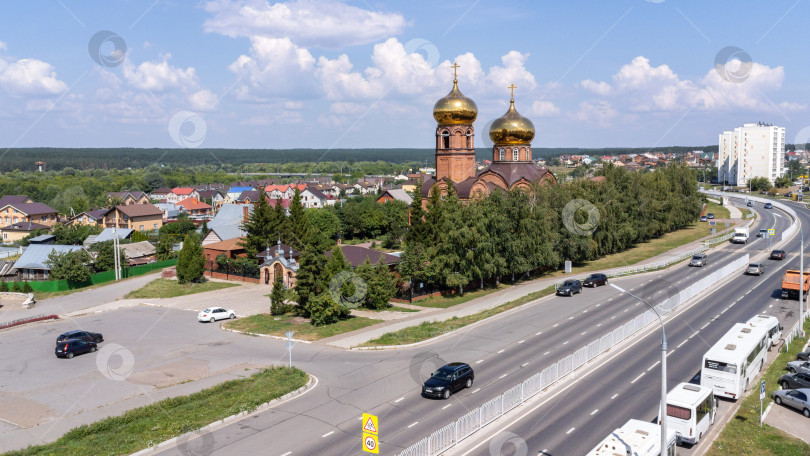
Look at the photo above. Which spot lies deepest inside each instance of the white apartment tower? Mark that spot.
(753, 150)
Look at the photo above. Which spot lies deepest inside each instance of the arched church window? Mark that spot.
(469, 139)
(515, 154)
(445, 139)
(503, 154)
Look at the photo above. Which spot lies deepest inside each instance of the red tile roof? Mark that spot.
(182, 190)
(193, 204)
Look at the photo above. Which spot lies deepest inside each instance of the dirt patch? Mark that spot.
(24, 412)
(172, 374)
(299, 320)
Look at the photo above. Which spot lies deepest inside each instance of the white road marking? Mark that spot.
(290, 452)
(585, 311)
(626, 310)
(398, 400)
(330, 433)
(723, 311)
(600, 324)
(598, 305)
(707, 324)
(565, 342)
(594, 412)
(524, 364)
(749, 291)
(669, 352)
(501, 351)
(613, 317)
(502, 376)
(537, 334)
(653, 366)
(479, 361)
(770, 306)
(448, 405)
(521, 341)
(614, 396)
(717, 316)
(413, 424)
(583, 333)
(571, 317)
(546, 353)
(476, 390)
(555, 325)
(694, 334)
(681, 344)
(570, 430)
(636, 379)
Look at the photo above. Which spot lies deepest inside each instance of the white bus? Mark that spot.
(771, 323)
(635, 438)
(730, 365)
(690, 411)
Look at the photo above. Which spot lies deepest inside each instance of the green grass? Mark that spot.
(143, 427)
(719, 211)
(391, 309)
(166, 288)
(743, 436)
(429, 330)
(277, 326)
(444, 302)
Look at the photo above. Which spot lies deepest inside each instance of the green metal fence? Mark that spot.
(100, 277)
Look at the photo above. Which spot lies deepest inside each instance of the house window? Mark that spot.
(141, 228)
(469, 139)
(503, 154)
(515, 154)
(445, 139)
(155, 226)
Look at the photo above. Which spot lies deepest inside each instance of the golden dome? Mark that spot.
(455, 108)
(511, 128)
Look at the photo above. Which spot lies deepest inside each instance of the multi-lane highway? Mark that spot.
(504, 351)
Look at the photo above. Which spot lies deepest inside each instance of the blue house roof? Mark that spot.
(35, 256)
(239, 190)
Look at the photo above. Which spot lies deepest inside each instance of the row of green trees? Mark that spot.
(77, 266)
(16, 287)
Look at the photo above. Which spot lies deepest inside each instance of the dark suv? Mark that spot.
(448, 379)
(86, 336)
(594, 280)
(570, 288)
(68, 348)
(793, 381)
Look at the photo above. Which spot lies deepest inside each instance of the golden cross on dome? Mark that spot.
(512, 88)
(455, 66)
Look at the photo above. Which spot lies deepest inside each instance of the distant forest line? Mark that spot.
(57, 159)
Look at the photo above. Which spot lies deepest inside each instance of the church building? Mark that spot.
(511, 134)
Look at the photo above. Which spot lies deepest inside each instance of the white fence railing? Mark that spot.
(784, 207)
(470, 423)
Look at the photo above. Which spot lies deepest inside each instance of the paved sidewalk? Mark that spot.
(789, 419)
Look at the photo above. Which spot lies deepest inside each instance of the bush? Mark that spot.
(26, 288)
(15, 287)
(323, 310)
(277, 306)
(3, 286)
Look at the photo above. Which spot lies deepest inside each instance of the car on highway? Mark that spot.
(215, 313)
(570, 288)
(796, 398)
(754, 269)
(793, 381)
(594, 280)
(71, 347)
(778, 255)
(710, 215)
(762, 233)
(768, 206)
(703, 218)
(699, 260)
(86, 336)
(448, 379)
(750, 204)
(798, 366)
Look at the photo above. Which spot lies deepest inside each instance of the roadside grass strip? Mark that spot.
(278, 325)
(743, 436)
(429, 330)
(143, 427)
(166, 288)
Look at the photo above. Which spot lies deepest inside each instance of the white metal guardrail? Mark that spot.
(470, 423)
(784, 207)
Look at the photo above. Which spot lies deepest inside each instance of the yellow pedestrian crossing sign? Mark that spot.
(771, 231)
(371, 429)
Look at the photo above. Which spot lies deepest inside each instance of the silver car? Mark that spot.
(798, 366)
(796, 398)
(755, 269)
(699, 260)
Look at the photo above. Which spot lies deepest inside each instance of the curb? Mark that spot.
(263, 335)
(28, 320)
(230, 419)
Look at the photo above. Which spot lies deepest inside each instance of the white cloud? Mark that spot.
(203, 100)
(159, 76)
(599, 88)
(29, 77)
(275, 67)
(544, 109)
(328, 24)
(599, 112)
(513, 71)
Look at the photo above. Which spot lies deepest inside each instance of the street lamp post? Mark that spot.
(801, 282)
(663, 412)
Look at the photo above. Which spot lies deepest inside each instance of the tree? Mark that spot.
(323, 310)
(191, 262)
(760, 183)
(26, 287)
(203, 229)
(15, 287)
(72, 266)
(381, 286)
(310, 280)
(259, 227)
(105, 259)
(180, 227)
(782, 182)
(73, 234)
(323, 222)
(297, 221)
(282, 228)
(138, 236)
(277, 296)
(3, 286)
(164, 250)
(335, 264)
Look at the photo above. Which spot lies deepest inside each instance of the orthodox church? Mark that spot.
(511, 134)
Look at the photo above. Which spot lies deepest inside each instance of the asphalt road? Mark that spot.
(504, 351)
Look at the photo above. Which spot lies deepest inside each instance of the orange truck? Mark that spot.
(790, 283)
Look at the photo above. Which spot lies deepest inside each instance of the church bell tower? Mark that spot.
(455, 134)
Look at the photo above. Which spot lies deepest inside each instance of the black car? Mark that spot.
(448, 379)
(750, 204)
(768, 206)
(594, 280)
(86, 336)
(778, 255)
(570, 288)
(804, 356)
(793, 381)
(70, 347)
(710, 215)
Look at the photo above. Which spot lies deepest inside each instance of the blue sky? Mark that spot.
(266, 74)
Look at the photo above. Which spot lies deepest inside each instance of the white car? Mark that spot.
(215, 313)
(798, 367)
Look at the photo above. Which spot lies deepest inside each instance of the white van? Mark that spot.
(690, 411)
(637, 438)
(772, 323)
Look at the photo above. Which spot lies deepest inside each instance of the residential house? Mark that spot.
(17, 231)
(138, 253)
(285, 191)
(44, 239)
(229, 247)
(365, 188)
(32, 264)
(248, 197)
(141, 217)
(311, 198)
(196, 208)
(234, 192)
(19, 208)
(395, 194)
(160, 194)
(347, 189)
(170, 211)
(93, 217)
(227, 224)
(213, 197)
(411, 185)
(127, 197)
(181, 193)
(108, 234)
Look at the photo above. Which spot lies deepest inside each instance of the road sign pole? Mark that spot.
(761, 397)
(290, 344)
